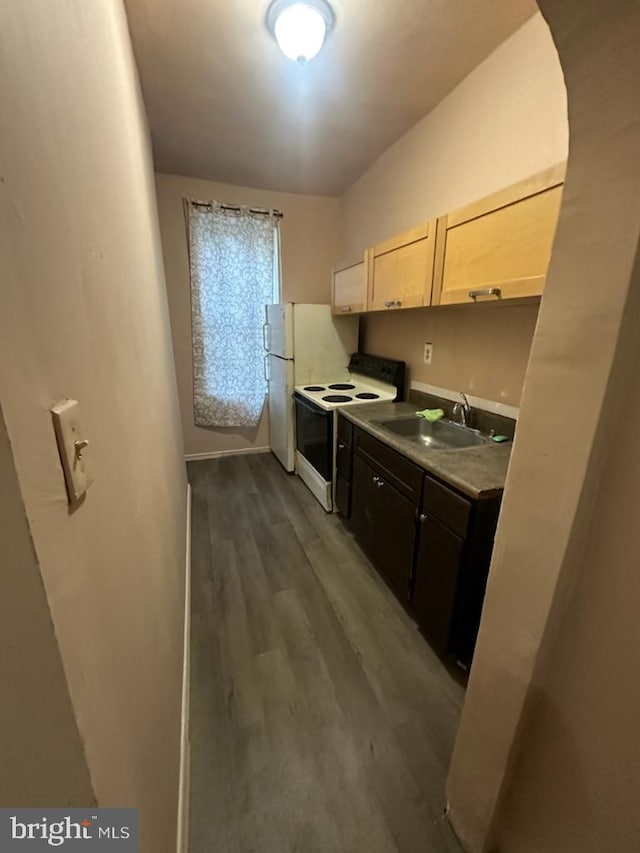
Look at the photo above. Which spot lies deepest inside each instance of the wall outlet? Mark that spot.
(428, 353)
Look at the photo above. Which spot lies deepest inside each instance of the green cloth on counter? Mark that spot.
(431, 415)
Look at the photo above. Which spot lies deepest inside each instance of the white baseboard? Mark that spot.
(216, 454)
(475, 402)
(182, 845)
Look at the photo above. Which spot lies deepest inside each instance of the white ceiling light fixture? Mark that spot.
(300, 28)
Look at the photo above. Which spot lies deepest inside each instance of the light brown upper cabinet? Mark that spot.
(401, 270)
(350, 287)
(499, 247)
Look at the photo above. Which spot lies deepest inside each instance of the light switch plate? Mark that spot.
(428, 353)
(73, 446)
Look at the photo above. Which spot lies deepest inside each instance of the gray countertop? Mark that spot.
(479, 472)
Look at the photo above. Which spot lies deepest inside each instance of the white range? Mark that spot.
(356, 389)
(370, 380)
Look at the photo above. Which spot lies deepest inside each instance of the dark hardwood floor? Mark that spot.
(321, 721)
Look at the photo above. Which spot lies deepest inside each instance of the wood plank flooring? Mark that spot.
(321, 721)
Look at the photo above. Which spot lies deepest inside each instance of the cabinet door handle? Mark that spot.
(346, 309)
(267, 378)
(393, 303)
(340, 446)
(265, 336)
(378, 481)
(485, 291)
(422, 518)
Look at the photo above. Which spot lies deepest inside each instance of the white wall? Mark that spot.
(43, 761)
(577, 779)
(83, 313)
(504, 122)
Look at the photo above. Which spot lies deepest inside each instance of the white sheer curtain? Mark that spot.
(234, 274)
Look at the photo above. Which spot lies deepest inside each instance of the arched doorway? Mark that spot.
(544, 759)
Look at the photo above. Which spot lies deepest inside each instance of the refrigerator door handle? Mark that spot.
(266, 370)
(265, 336)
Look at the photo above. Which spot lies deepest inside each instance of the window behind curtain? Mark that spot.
(233, 256)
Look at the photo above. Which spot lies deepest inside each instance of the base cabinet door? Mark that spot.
(383, 522)
(343, 496)
(344, 466)
(434, 593)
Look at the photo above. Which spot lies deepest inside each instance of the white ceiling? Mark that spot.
(225, 104)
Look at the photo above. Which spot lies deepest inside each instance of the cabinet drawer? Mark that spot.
(345, 431)
(446, 505)
(398, 470)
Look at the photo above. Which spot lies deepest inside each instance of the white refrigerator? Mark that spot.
(305, 344)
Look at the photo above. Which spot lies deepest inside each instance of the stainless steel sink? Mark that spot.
(441, 435)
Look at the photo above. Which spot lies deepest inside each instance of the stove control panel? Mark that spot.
(384, 369)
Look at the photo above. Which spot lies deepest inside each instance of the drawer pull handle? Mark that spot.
(485, 291)
(346, 309)
(393, 303)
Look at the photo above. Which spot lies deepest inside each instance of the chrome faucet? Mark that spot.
(463, 410)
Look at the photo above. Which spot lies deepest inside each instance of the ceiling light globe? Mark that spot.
(300, 31)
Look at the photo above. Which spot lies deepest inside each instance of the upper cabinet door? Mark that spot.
(499, 247)
(350, 287)
(401, 270)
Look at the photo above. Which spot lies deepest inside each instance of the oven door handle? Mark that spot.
(308, 404)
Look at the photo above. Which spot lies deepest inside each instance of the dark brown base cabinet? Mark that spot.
(384, 524)
(438, 561)
(344, 466)
(431, 544)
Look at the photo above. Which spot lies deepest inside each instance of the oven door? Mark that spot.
(314, 436)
